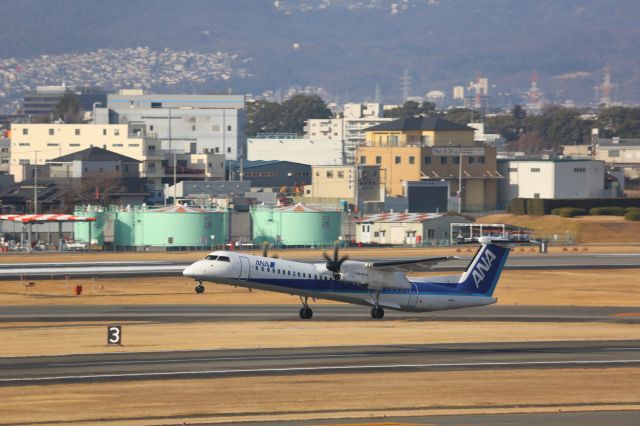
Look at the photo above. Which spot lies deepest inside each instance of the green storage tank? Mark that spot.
(124, 228)
(176, 226)
(90, 232)
(296, 225)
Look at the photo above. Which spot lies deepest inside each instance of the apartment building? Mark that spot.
(348, 127)
(345, 182)
(33, 144)
(190, 124)
(620, 152)
(431, 148)
(287, 147)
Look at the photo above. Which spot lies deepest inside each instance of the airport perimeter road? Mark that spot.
(324, 312)
(154, 268)
(309, 361)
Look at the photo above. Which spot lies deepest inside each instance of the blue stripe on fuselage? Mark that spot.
(324, 286)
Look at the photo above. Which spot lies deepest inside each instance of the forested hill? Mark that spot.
(349, 46)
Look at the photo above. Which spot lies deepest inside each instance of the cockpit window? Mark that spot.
(211, 257)
(223, 259)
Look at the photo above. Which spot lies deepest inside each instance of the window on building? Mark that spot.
(426, 139)
(580, 170)
(611, 152)
(152, 148)
(156, 104)
(472, 160)
(329, 174)
(25, 131)
(117, 145)
(77, 131)
(228, 128)
(340, 174)
(151, 127)
(363, 159)
(51, 132)
(117, 168)
(104, 132)
(229, 149)
(24, 144)
(52, 144)
(134, 145)
(456, 160)
(116, 132)
(535, 170)
(398, 159)
(126, 167)
(193, 128)
(536, 195)
(318, 174)
(443, 160)
(378, 159)
(427, 160)
(513, 169)
(393, 138)
(215, 127)
(24, 162)
(217, 149)
(412, 159)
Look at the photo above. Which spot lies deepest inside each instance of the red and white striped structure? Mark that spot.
(41, 218)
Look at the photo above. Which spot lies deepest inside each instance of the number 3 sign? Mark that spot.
(114, 335)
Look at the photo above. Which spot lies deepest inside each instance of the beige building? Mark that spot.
(341, 182)
(423, 148)
(37, 143)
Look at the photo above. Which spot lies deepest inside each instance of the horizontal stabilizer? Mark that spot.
(415, 265)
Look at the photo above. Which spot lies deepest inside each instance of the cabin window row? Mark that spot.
(285, 272)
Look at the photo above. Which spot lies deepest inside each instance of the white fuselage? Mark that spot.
(315, 281)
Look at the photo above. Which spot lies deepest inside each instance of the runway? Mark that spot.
(322, 312)
(310, 361)
(158, 268)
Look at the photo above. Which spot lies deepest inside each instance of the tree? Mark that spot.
(68, 109)
(299, 108)
(562, 126)
(411, 109)
(623, 122)
(458, 115)
(530, 143)
(263, 117)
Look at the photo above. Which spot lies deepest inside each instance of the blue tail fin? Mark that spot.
(484, 270)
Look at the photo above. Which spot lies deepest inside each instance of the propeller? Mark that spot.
(265, 250)
(334, 264)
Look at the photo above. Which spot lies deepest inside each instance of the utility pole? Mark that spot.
(35, 185)
(460, 182)
(175, 186)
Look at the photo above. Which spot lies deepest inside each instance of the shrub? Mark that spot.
(607, 211)
(633, 209)
(568, 212)
(632, 215)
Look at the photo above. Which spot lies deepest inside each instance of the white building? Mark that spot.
(620, 152)
(406, 228)
(190, 124)
(347, 128)
(314, 152)
(554, 178)
(493, 139)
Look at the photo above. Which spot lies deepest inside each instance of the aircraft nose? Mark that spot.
(190, 271)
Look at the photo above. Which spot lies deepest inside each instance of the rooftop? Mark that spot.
(619, 142)
(400, 217)
(419, 123)
(93, 154)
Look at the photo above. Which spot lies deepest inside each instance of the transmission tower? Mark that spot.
(405, 84)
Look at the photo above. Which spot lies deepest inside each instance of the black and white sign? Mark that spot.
(114, 335)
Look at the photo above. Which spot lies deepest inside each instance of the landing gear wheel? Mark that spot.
(199, 288)
(306, 313)
(377, 312)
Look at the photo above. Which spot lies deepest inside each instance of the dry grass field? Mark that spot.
(225, 400)
(587, 229)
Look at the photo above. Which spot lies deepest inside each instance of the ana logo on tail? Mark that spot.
(483, 266)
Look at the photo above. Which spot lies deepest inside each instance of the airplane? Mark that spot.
(380, 285)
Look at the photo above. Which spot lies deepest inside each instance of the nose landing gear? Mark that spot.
(305, 311)
(199, 287)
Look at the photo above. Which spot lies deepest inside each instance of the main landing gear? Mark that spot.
(376, 312)
(305, 311)
(199, 287)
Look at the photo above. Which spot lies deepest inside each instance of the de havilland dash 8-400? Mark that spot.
(378, 285)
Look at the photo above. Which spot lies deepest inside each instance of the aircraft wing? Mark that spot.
(414, 265)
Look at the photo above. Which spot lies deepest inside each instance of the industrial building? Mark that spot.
(314, 151)
(272, 175)
(553, 178)
(406, 228)
(347, 127)
(430, 148)
(38, 143)
(296, 225)
(168, 228)
(346, 182)
(189, 124)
